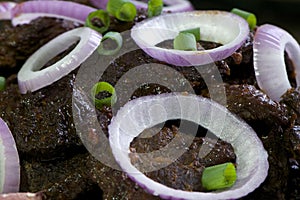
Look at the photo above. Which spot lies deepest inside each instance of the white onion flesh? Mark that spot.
(130, 121)
(9, 161)
(269, 45)
(25, 12)
(172, 5)
(31, 78)
(215, 26)
(21, 196)
(5, 9)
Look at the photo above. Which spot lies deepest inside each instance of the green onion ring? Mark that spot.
(185, 41)
(103, 87)
(155, 7)
(194, 31)
(122, 9)
(219, 176)
(127, 12)
(103, 16)
(249, 17)
(114, 36)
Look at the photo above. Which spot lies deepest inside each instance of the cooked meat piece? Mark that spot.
(42, 121)
(18, 43)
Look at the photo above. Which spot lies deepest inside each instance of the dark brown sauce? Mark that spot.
(168, 44)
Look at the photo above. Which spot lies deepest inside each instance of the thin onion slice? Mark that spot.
(216, 26)
(31, 78)
(21, 196)
(171, 5)
(27, 11)
(145, 112)
(269, 45)
(9, 161)
(101, 4)
(5, 9)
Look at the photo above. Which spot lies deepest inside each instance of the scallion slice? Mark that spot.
(113, 36)
(2, 83)
(122, 9)
(249, 17)
(185, 41)
(98, 20)
(219, 176)
(155, 7)
(113, 6)
(103, 94)
(194, 31)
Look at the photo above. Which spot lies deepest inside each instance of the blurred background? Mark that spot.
(283, 13)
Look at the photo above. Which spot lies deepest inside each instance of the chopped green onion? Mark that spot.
(113, 6)
(98, 20)
(185, 41)
(127, 12)
(103, 93)
(113, 36)
(219, 176)
(194, 31)
(2, 83)
(250, 17)
(122, 9)
(155, 7)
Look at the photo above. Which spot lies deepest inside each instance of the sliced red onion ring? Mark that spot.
(29, 10)
(31, 78)
(5, 9)
(21, 196)
(101, 4)
(9, 161)
(143, 113)
(269, 45)
(217, 26)
(172, 5)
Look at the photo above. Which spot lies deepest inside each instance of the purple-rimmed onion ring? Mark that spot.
(216, 26)
(270, 43)
(9, 161)
(146, 112)
(5, 9)
(21, 196)
(31, 78)
(171, 5)
(27, 11)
